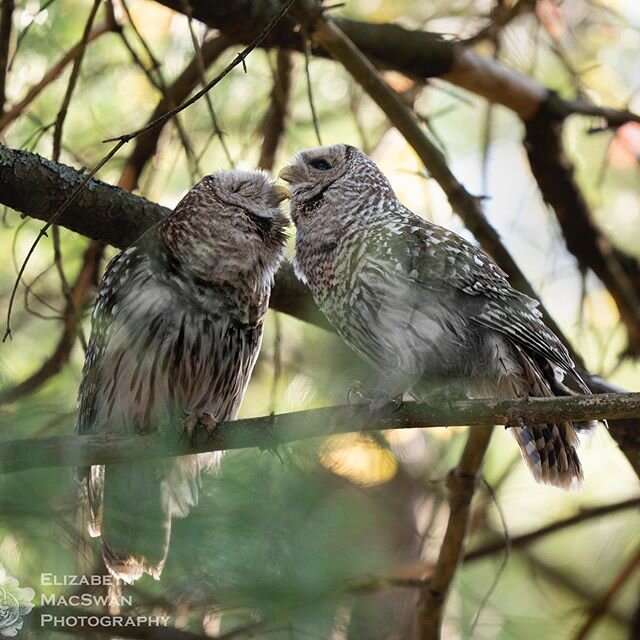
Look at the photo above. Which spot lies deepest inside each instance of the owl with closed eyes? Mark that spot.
(176, 331)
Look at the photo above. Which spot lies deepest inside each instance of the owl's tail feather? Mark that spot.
(135, 524)
(131, 505)
(550, 450)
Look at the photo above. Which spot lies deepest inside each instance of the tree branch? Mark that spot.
(527, 538)
(461, 483)
(417, 54)
(6, 18)
(52, 74)
(270, 431)
(554, 173)
(603, 602)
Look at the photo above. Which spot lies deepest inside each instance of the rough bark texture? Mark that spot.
(36, 187)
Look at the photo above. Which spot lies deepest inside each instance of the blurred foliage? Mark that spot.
(278, 535)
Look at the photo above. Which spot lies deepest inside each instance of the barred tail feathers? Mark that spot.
(549, 450)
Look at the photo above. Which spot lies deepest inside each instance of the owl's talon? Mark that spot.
(398, 402)
(209, 423)
(191, 423)
(357, 392)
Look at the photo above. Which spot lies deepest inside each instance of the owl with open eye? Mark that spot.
(176, 331)
(423, 305)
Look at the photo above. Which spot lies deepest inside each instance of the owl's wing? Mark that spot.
(101, 329)
(437, 259)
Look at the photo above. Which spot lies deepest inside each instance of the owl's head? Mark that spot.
(252, 193)
(329, 174)
(230, 221)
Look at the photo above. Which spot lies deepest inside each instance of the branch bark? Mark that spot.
(554, 173)
(270, 431)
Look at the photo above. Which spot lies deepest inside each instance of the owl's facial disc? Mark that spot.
(313, 171)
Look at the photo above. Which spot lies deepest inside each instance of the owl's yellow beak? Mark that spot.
(282, 193)
(288, 174)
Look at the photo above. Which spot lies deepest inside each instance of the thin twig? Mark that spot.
(73, 78)
(600, 606)
(503, 562)
(72, 310)
(50, 76)
(79, 296)
(186, 5)
(526, 539)
(307, 73)
(6, 18)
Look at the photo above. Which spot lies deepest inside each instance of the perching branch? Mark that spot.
(270, 431)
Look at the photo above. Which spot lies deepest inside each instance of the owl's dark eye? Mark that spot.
(320, 164)
(239, 186)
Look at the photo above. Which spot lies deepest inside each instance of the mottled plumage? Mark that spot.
(176, 332)
(424, 306)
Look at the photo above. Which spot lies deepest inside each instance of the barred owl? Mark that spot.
(421, 304)
(176, 331)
